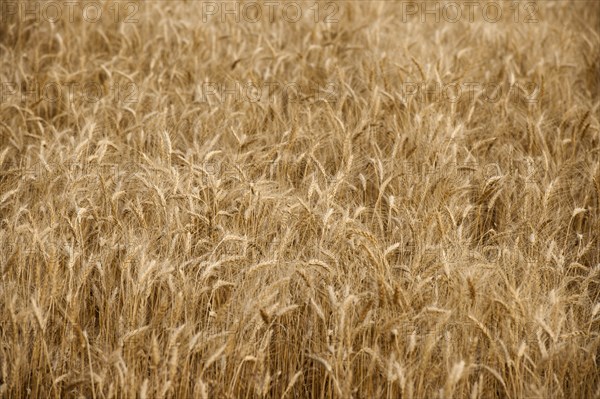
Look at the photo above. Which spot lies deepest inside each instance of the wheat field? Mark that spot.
(351, 199)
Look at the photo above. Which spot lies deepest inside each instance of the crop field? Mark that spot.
(299, 199)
